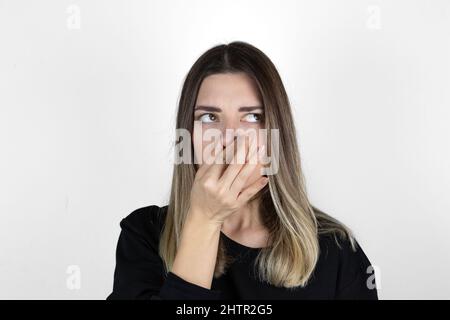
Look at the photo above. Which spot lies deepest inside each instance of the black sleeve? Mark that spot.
(356, 280)
(139, 271)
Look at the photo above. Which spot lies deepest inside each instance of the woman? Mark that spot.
(228, 232)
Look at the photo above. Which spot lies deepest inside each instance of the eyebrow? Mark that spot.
(216, 109)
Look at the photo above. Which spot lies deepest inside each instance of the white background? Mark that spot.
(88, 95)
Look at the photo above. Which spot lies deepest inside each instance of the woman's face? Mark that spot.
(227, 101)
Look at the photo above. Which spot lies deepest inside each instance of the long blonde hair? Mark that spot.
(294, 224)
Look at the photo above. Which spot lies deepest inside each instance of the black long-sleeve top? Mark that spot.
(340, 273)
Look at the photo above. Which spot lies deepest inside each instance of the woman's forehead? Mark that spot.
(222, 90)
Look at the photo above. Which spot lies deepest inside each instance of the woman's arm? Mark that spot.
(216, 194)
(196, 256)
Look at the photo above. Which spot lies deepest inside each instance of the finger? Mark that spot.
(246, 172)
(235, 166)
(216, 168)
(253, 189)
(210, 160)
(230, 151)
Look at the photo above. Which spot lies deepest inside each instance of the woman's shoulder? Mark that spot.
(345, 250)
(345, 258)
(146, 222)
(338, 244)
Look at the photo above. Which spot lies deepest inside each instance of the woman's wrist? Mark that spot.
(200, 219)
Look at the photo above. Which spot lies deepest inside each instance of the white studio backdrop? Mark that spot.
(88, 94)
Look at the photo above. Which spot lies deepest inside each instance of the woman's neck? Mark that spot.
(247, 218)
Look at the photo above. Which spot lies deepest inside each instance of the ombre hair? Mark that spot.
(294, 225)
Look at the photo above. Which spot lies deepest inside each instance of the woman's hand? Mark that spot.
(217, 191)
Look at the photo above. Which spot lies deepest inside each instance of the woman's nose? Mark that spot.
(228, 136)
(229, 132)
(237, 136)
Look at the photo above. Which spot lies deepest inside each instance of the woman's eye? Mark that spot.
(253, 117)
(207, 117)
